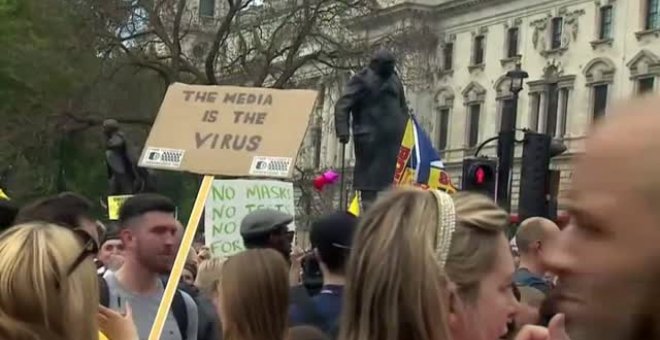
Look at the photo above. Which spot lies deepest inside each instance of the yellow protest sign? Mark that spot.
(114, 204)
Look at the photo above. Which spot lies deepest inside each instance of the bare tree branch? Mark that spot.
(221, 36)
(265, 44)
(176, 36)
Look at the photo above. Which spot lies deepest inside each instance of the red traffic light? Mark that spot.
(480, 176)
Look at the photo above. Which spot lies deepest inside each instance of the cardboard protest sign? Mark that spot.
(231, 200)
(225, 130)
(114, 204)
(222, 130)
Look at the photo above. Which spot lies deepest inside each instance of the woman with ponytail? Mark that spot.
(481, 266)
(396, 288)
(427, 265)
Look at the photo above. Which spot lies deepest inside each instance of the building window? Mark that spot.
(563, 118)
(473, 124)
(652, 14)
(448, 56)
(552, 109)
(550, 104)
(206, 8)
(443, 128)
(478, 50)
(557, 30)
(549, 110)
(599, 103)
(512, 42)
(606, 22)
(535, 112)
(645, 85)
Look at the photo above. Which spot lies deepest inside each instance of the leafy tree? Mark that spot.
(55, 91)
(39, 71)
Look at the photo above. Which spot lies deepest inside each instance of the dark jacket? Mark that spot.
(209, 326)
(321, 311)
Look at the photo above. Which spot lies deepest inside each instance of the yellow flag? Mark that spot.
(354, 207)
(407, 144)
(114, 204)
(3, 196)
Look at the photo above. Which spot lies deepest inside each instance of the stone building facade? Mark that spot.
(581, 55)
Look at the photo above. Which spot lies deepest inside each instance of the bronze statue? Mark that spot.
(124, 176)
(374, 99)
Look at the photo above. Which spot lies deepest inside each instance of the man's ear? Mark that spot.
(538, 246)
(126, 236)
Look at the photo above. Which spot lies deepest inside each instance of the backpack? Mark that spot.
(178, 305)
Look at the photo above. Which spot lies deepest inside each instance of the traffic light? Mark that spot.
(536, 180)
(480, 175)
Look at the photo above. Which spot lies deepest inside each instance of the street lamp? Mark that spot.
(516, 76)
(507, 137)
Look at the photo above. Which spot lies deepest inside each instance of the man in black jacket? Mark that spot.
(374, 99)
(209, 326)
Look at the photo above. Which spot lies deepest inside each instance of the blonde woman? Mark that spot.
(396, 288)
(208, 276)
(481, 265)
(48, 286)
(254, 296)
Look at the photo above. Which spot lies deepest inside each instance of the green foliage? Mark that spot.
(64, 69)
(55, 90)
(39, 71)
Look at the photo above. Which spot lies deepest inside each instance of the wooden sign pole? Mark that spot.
(180, 261)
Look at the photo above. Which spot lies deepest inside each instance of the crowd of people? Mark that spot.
(418, 264)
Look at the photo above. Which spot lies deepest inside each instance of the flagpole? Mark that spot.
(342, 178)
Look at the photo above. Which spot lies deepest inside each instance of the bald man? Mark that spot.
(608, 257)
(531, 238)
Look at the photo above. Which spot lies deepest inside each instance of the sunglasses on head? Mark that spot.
(90, 247)
(101, 230)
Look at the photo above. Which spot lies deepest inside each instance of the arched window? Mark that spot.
(474, 96)
(599, 75)
(644, 71)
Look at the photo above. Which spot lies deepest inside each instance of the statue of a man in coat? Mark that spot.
(374, 99)
(124, 176)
